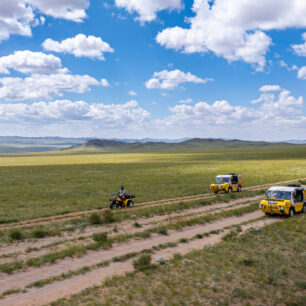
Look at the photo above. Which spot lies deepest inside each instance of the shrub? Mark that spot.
(94, 218)
(163, 231)
(39, 233)
(108, 216)
(16, 234)
(145, 234)
(100, 236)
(142, 263)
(136, 224)
(199, 236)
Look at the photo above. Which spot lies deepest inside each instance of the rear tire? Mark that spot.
(267, 214)
(291, 212)
(304, 209)
(131, 204)
(239, 189)
(113, 206)
(229, 190)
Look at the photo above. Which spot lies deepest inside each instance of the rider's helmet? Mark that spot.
(122, 187)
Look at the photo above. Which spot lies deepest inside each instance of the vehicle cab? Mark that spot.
(227, 183)
(284, 200)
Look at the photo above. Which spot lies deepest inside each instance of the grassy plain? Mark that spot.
(230, 273)
(34, 185)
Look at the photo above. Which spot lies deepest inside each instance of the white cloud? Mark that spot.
(234, 29)
(147, 9)
(302, 73)
(80, 45)
(300, 49)
(104, 83)
(19, 16)
(270, 88)
(44, 86)
(79, 118)
(285, 65)
(30, 62)
(186, 101)
(67, 9)
(170, 79)
(132, 93)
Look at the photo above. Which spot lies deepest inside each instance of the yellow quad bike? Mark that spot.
(118, 202)
(227, 183)
(284, 200)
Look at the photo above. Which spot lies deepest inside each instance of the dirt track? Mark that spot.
(65, 287)
(56, 290)
(44, 220)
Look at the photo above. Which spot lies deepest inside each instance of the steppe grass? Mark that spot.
(43, 185)
(102, 241)
(260, 267)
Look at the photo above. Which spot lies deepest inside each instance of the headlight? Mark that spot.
(282, 208)
(260, 206)
(222, 187)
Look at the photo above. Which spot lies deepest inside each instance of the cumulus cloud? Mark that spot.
(170, 79)
(234, 30)
(300, 49)
(80, 46)
(30, 62)
(132, 93)
(186, 101)
(19, 16)
(302, 73)
(270, 88)
(104, 83)
(147, 9)
(44, 86)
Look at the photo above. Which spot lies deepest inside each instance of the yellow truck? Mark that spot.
(284, 200)
(227, 183)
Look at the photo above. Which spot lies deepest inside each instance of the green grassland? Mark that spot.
(34, 185)
(230, 273)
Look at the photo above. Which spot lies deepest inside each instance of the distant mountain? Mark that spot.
(194, 144)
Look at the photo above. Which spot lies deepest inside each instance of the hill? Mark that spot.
(194, 144)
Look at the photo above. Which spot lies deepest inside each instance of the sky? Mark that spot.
(153, 68)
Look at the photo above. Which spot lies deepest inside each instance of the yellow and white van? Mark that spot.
(284, 200)
(227, 183)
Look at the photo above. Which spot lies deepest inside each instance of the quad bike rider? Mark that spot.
(122, 199)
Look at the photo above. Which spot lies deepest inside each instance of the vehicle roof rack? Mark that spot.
(232, 174)
(294, 185)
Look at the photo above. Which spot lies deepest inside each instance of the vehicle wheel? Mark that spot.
(239, 189)
(131, 204)
(267, 214)
(304, 209)
(291, 212)
(113, 206)
(229, 190)
(215, 192)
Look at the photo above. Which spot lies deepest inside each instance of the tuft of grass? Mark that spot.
(16, 234)
(95, 219)
(144, 234)
(108, 216)
(40, 233)
(99, 236)
(136, 225)
(142, 263)
(162, 231)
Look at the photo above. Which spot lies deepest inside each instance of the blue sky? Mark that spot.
(161, 69)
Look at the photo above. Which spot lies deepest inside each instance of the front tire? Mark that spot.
(239, 189)
(291, 212)
(131, 204)
(229, 190)
(113, 206)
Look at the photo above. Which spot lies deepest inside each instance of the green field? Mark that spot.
(45, 184)
(229, 273)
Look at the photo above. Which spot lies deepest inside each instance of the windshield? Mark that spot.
(276, 194)
(222, 179)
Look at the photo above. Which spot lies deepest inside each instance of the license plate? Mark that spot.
(272, 202)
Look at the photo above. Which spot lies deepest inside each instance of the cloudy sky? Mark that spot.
(153, 68)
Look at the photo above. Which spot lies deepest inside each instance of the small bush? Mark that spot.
(94, 218)
(183, 240)
(145, 234)
(100, 236)
(108, 216)
(199, 236)
(163, 231)
(16, 234)
(230, 235)
(39, 233)
(142, 263)
(136, 224)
